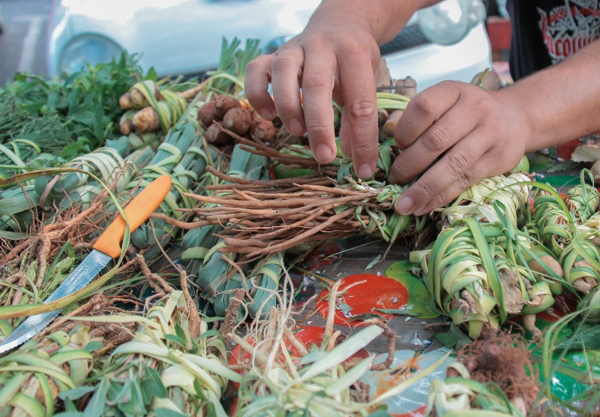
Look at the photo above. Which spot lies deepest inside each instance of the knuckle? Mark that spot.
(463, 182)
(317, 128)
(440, 199)
(316, 82)
(425, 190)
(435, 139)
(285, 106)
(399, 171)
(423, 104)
(458, 162)
(360, 108)
(353, 49)
(363, 149)
(283, 62)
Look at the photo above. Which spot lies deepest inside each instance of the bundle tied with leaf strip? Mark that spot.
(160, 109)
(562, 226)
(69, 187)
(474, 277)
(478, 200)
(213, 270)
(265, 217)
(184, 156)
(33, 377)
(556, 220)
(172, 365)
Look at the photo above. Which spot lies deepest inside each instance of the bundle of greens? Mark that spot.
(34, 377)
(70, 115)
(478, 283)
(512, 190)
(211, 270)
(172, 365)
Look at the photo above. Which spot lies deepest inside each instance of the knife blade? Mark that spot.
(106, 248)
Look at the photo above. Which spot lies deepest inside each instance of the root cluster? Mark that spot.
(505, 361)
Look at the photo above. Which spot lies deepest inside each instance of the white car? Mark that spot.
(184, 36)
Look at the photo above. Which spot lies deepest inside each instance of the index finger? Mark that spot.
(423, 110)
(256, 86)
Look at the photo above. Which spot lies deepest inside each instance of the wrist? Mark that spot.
(383, 19)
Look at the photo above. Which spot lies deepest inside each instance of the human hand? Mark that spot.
(475, 134)
(330, 60)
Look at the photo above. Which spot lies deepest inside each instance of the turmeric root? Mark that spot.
(238, 120)
(216, 137)
(263, 129)
(225, 103)
(146, 120)
(207, 113)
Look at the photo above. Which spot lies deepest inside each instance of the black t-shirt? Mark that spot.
(544, 32)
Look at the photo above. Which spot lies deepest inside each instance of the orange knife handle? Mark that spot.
(137, 212)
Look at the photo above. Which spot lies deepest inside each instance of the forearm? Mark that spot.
(563, 101)
(382, 18)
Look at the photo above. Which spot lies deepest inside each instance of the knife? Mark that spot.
(107, 247)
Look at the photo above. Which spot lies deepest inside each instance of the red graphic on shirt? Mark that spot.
(569, 27)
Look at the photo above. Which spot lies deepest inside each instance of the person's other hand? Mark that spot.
(469, 133)
(330, 60)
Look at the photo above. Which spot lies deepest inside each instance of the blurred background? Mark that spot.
(453, 40)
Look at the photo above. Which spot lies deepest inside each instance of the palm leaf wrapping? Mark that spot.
(463, 396)
(184, 156)
(114, 164)
(478, 275)
(565, 232)
(15, 155)
(33, 376)
(171, 365)
(151, 108)
(213, 273)
(477, 202)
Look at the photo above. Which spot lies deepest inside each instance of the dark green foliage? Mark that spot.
(71, 115)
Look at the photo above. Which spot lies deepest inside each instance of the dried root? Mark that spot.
(505, 361)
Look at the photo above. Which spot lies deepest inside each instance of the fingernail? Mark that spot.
(404, 205)
(267, 114)
(365, 171)
(391, 179)
(323, 154)
(295, 127)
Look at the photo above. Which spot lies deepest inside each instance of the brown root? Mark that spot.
(225, 103)
(238, 120)
(231, 313)
(126, 126)
(125, 101)
(551, 262)
(407, 87)
(217, 137)
(207, 113)
(263, 130)
(382, 117)
(505, 361)
(146, 120)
